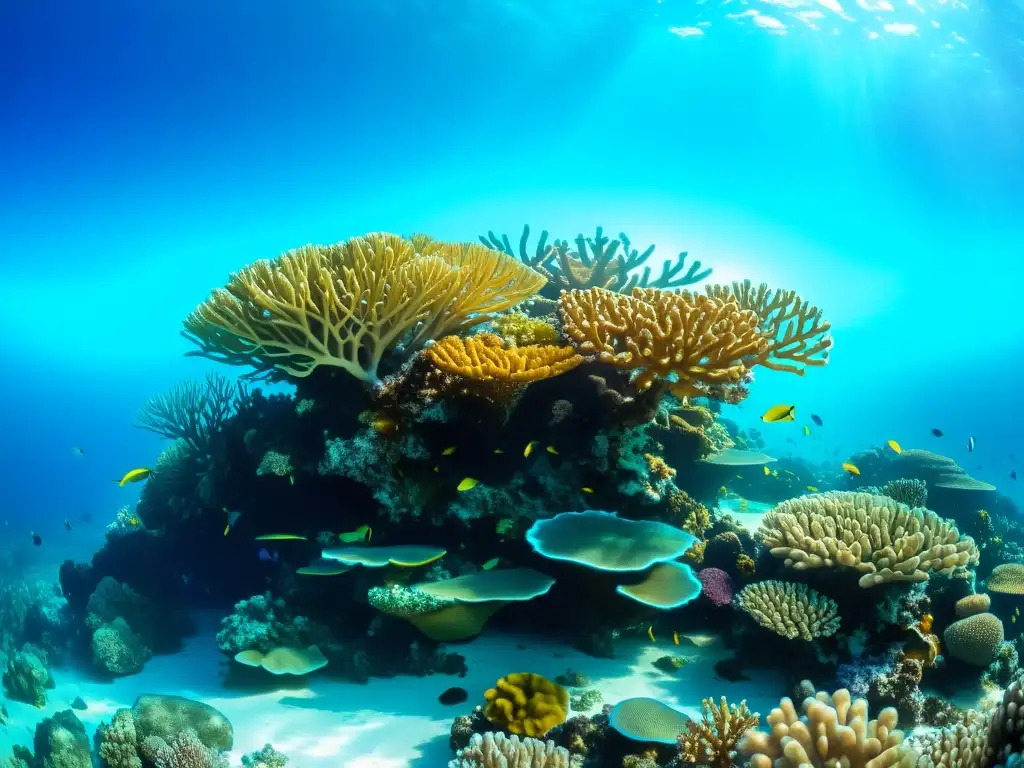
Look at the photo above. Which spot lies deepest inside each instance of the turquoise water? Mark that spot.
(865, 153)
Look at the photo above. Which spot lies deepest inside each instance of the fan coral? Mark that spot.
(345, 305)
(485, 357)
(833, 731)
(974, 639)
(876, 536)
(523, 330)
(717, 585)
(193, 411)
(789, 609)
(697, 339)
(496, 750)
(526, 703)
(712, 741)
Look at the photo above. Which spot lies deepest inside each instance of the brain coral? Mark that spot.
(1007, 578)
(166, 716)
(526, 703)
(791, 610)
(972, 604)
(974, 639)
(874, 535)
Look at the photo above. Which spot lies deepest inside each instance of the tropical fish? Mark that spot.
(67, 524)
(268, 557)
(812, 488)
(1013, 619)
(551, 449)
(437, 469)
(232, 519)
(851, 468)
(384, 425)
(498, 451)
(489, 564)
(77, 451)
(723, 490)
(675, 638)
(453, 696)
(529, 448)
(587, 489)
(817, 420)
(448, 451)
(467, 484)
(650, 633)
(134, 522)
(775, 473)
(36, 539)
(807, 430)
(280, 537)
(1016, 611)
(779, 413)
(134, 476)
(895, 446)
(937, 432)
(767, 472)
(970, 445)
(362, 533)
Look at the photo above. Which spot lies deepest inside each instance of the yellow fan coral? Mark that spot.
(485, 357)
(699, 339)
(526, 703)
(345, 305)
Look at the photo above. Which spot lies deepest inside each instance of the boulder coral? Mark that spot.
(166, 716)
(117, 650)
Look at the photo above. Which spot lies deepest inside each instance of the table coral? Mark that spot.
(526, 703)
(712, 740)
(486, 357)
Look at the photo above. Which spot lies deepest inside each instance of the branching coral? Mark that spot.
(193, 411)
(789, 609)
(486, 357)
(874, 535)
(496, 750)
(526, 703)
(712, 741)
(261, 623)
(117, 741)
(694, 339)
(185, 750)
(345, 305)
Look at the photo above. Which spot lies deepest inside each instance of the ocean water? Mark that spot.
(865, 153)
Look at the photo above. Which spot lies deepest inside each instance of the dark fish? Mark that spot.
(1013, 474)
(937, 432)
(817, 419)
(453, 696)
(67, 524)
(970, 444)
(37, 539)
(268, 557)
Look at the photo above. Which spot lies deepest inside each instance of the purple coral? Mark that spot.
(717, 585)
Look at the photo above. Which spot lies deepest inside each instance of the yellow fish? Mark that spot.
(133, 521)
(675, 638)
(362, 533)
(895, 446)
(851, 468)
(779, 413)
(226, 529)
(551, 449)
(489, 564)
(498, 451)
(1016, 611)
(767, 471)
(448, 451)
(134, 476)
(280, 537)
(384, 426)
(807, 430)
(812, 488)
(650, 633)
(586, 489)
(467, 484)
(529, 448)
(1013, 619)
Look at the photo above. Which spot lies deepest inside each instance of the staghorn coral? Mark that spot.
(874, 535)
(974, 639)
(696, 339)
(485, 357)
(833, 732)
(523, 330)
(789, 609)
(345, 305)
(193, 411)
(796, 333)
(524, 702)
(712, 741)
(496, 750)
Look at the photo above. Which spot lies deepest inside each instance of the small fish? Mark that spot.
(280, 537)
(775, 473)
(529, 449)
(937, 432)
(75, 450)
(650, 633)
(489, 564)
(779, 413)
(817, 420)
(895, 446)
(362, 533)
(675, 638)
(233, 518)
(448, 451)
(437, 469)
(970, 445)
(134, 522)
(812, 488)
(807, 430)
(134, 476)
(551, 449)
(1013, 474)
(37, 539)
(268, 557)
(1016, 611)
(851, 468)
(67, 524)
(453, 696)
(467, 484)
(498, 451)
(723, 491)
(767, 472)
(587, 489)
(385, 426)
(1013, 619)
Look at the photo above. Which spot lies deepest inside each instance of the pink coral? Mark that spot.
(717, 585)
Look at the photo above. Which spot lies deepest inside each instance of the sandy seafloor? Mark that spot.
(392, 722)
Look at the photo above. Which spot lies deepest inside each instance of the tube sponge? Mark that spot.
(523, 702)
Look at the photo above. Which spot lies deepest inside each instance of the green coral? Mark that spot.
(305, 406)
(117, 741)
(26, 679)
(268, 757)
(524, 330)
(261, 623)
(275, 463)
(117, 650)
(587, 699)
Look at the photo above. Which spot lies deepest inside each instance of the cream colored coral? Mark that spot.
(496, 750)
(974, 639)
(834, 732)
(961, 745)
(791, 610)
(972, 604)
(876, 536)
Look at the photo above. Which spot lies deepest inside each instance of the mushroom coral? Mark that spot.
(345, 305)
(527, 703)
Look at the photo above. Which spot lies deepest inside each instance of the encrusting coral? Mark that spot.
(874, 535)
(712, 741)
(486, 357)
(526, 703)
(790, 609)
(346, 305)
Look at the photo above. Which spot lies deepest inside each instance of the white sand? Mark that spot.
(386, 723)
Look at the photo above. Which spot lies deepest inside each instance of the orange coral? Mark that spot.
(485, 357)
(658, 466)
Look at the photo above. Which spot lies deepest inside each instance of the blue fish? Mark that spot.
(268, 557)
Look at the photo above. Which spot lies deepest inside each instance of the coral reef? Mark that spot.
(790, 609)
(261, 623)
(974, 639)
(117, 650)
(61, 742)
(486, 357)
(117, 741)
(165, 717)
(526, 703)
(26, 679)
(268, 757)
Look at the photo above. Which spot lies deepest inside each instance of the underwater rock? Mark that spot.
(117, 650)
(26, 679)
(61, 742)
(79, 704)
(166, 716)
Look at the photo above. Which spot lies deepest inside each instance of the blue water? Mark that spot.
(148, 149)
